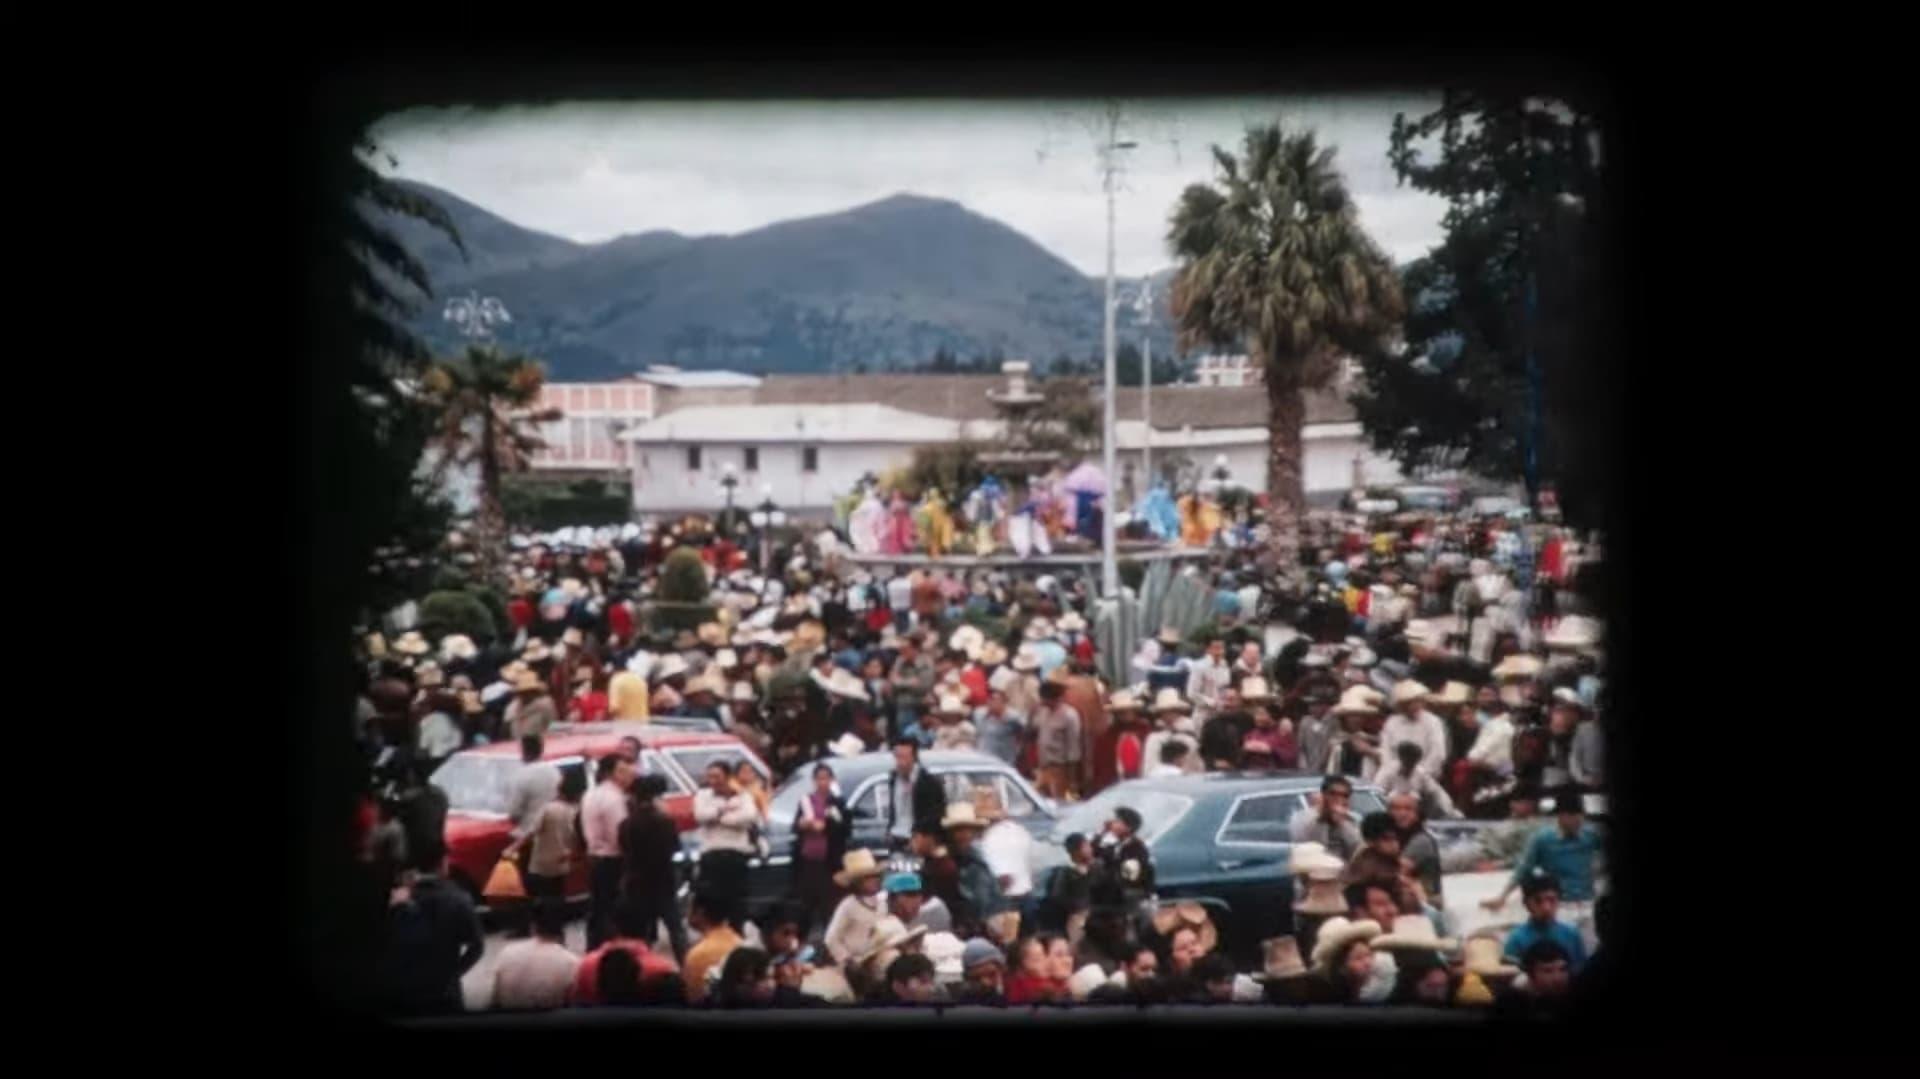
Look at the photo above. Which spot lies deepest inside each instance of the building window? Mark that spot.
(810, 459)
(693, 458)
(753, 458)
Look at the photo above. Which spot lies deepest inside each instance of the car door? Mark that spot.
(1249, 864)
(868, 805)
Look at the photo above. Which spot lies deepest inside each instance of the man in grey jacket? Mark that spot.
(1327, 820)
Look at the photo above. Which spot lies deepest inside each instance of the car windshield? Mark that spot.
(1158, 810)
(474, 783)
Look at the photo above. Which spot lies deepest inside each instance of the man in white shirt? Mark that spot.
(602, 812)
(1493, 746)
(724, 818)
(532, 787)
(537, 973)
(1208, 680)
(1006, 846)
(1411, 722)
(900, 599)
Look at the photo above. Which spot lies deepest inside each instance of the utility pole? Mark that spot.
(1110, 166)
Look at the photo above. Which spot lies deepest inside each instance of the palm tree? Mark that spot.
(1273, 259)
(484, 414)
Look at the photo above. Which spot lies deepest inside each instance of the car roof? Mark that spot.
(861, 765)
(595, 739)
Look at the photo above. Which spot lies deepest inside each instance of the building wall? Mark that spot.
(662, 481)
(580, 439)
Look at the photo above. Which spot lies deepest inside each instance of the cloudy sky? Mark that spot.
(594, 172)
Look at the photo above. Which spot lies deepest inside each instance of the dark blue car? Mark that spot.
(1219, 838)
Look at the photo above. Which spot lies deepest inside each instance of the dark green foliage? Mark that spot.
(668, 616)
(683, 579)
(1524, 186)
(496, 607)
(953, 467)
(897, 281)
(530, 501)
(442, 613)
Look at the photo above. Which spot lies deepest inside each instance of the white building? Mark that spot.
(1225, 371)
(811, 437)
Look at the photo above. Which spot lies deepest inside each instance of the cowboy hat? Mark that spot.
(536, 651)
(890, 934)
(726, 659)
(573, 638)
(1169, 700)
(847, 745)
(1564, 695)
(1168, 920)
(951, 706)
(1071, 622)
(1473, 992)
(968, 639)
(671, 664)
(1358, 701)
(1362, 658)
(857, 865)
(412, 644)
(1336, 934)
(1305, 858)
(1518, 665)
(992, 654)
(529, 682)
(1323, 895)
(1408, 692)
(1168, 635)
(1453, 693)
(457, 646)
(707, 681)
(1574, 633)
(1124, 700)
(1026, 659)
(711, 634)
(743, 692)
(1254, 688)
(427, 675)
(962, 815)
(1414, 932)
(1482, 956)
(843, 683)
(1280, 960)
(1038, 630)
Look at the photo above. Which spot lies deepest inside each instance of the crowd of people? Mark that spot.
(1447, 660)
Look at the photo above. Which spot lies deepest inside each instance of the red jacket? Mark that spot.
(975, 680)
(1129, 755)
(620, 621)
(1083, 651)
(521, 612)
(1024, 988)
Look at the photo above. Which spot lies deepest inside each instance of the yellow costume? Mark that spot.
(1200, 519)
(936, 524)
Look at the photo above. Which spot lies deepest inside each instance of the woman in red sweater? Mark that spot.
(1045, 964)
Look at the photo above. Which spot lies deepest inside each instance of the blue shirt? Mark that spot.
(1000, 737)
(1569, 860)
(1527, 934)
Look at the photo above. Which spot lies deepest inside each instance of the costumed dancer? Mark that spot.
(936, 524)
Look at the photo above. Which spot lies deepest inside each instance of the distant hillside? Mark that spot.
(886, 284)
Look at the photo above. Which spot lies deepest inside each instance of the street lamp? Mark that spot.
(1143, 317)
(475, 315)
(729, 479)
(766, 517)
(1109, 161)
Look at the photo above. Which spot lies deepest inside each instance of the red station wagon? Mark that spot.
(477, 783)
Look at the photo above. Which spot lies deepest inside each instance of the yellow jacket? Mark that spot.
(627, 696)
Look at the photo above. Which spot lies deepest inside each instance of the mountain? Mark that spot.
(885, 284)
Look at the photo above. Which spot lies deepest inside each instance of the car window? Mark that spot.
(1015, 799)
(872, 802)
(694, 760)
(1365, 802)
(652, 765)
(1159, 811)
(1261, 818)
(476, 784)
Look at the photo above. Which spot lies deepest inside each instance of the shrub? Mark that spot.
(447, 612)
(683, 578)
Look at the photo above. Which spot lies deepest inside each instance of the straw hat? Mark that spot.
(412, 644)
(1414, 932)
(1482, 956)
(1305, 858)
(536, 651)
(951, 706)
(1168, 636)
(1071, 622)
(962, 815)
(1362, 657)
(1323, 895)
(1454, 693)
(1168, 919)
(1422, 633)
(1574, 633)
(992, 654)
(967, 639)
(857, 865)
(671, 664)
(573, 638)
(711, 634)
(1255, 688)
(743, 693)
(457, 646)
(843, 683)
(1123, 700)
(1026, 660)
(427, 675)
(847, 745)
(1517, 665)
(1169, 700)
(1281, 960)
(1336, 934)
(529, 682)
(1473, 992)
(1358, 701)
(890, 934)
(707, 681)
(1038, 629)
(1408, 692)
(726, 659)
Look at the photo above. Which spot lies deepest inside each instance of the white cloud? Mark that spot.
(593, 172)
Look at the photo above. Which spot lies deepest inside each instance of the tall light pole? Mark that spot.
(728, 481)
(1143, 310)
(1109, 161)
(475, 315)
(766, 517)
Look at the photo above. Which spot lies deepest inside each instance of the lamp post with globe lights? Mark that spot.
(729, 479)
(766, 517)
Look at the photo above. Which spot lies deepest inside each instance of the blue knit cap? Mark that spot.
(902, 882)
